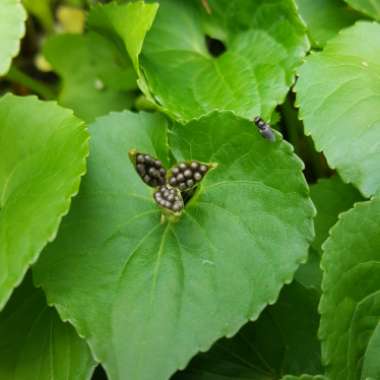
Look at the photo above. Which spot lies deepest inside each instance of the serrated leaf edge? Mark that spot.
(325, 261)
(52, 229)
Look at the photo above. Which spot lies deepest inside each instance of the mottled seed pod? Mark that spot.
(264, 129)
(169, 198)
(186, 175)
(148, 168)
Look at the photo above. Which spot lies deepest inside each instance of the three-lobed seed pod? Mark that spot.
(174, 186)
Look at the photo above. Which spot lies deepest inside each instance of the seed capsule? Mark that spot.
(187, 175)
(149, 169)
(169, 198)
(264, 129)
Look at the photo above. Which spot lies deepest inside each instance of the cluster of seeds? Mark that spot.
(150, 170)
(264, 129)
(174, 188)
(169, 198)
(186, 175)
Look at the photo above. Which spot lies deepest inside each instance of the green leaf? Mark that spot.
(371, 364)
(370, 8)
(97, 79)
(43, 148)
(12, 29)
(282, 340)
(350, 304)
(129, 22)
(325, 18)
(158, 293)
(309, 274)
(36, 344)
(265, 43)
(42, 9)
(331, 197)
(304, 377)
(338, 94)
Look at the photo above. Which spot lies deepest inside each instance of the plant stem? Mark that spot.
(18, 76)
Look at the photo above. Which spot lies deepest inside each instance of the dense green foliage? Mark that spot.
(270, 270)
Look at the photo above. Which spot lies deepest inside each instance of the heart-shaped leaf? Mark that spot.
(325, 18)
(12, 28)
(338, 94)
(282, 340)
(43, 155)
(350, 304)
(148, 296)
(36, 345)
(265, 42)
(97, 78)
(370, 8)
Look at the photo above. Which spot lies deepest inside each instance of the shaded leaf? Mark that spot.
(309, 274)
(338, 94)
(158, 293)
(265, 43)
(282, 340)
(350, 303)
(42, 9)
(36, 345)
(97, 79)
(130, 22)
(325, 18)
(371, 364)
(370, 8)
(12, 29)
(43, 148)
(304, 377)
(331, 197)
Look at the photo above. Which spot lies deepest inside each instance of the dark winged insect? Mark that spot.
(264, 129)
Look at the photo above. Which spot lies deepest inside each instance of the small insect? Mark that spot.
(264, 129)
